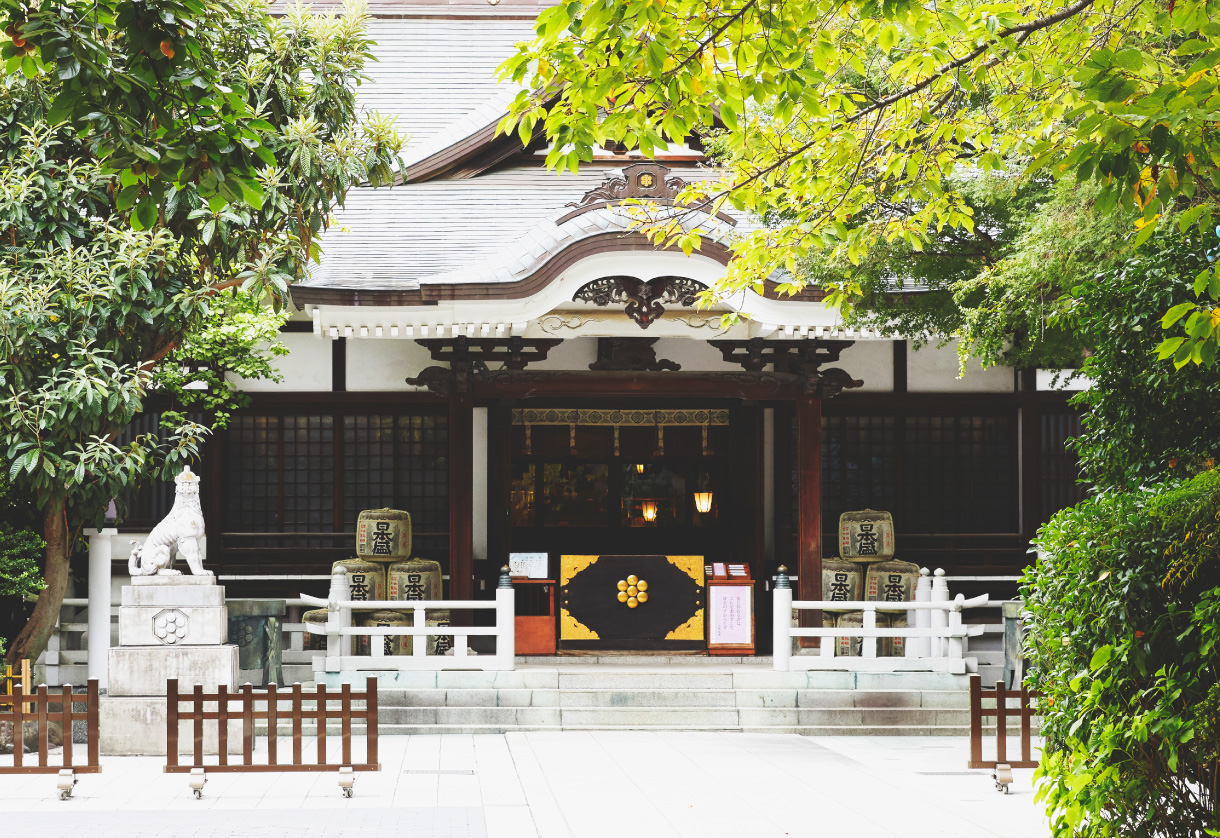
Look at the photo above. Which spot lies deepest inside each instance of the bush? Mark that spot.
(1124, 629)
(20, 555)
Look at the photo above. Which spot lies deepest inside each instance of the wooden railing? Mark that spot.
(253, 706)
(43, 708)
(1001, 711)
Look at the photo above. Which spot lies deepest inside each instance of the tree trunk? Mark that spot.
(32, 640)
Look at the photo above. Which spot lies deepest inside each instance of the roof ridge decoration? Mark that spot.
(642, 298)
(646, 181)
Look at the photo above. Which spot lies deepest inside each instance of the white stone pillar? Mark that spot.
(781, 623)
(478, 482)
(100, 546)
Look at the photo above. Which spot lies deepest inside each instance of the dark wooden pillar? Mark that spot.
(809, 507)
(461, 490)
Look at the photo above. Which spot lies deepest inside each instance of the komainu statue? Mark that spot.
(178, 532)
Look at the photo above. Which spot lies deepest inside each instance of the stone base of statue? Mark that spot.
(169, 627)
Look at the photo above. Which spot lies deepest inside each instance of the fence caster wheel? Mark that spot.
(198, 781)
(1002, 777)
(347, 779)
(67, 781)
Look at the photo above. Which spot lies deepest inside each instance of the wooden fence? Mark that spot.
(265, 705)
(44, 708)
(1001, 711)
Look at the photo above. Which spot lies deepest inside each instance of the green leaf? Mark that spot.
(1175, 314)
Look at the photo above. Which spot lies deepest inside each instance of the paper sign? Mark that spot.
(730, 615)
(529, 565)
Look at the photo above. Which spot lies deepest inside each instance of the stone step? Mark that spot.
(646, 679)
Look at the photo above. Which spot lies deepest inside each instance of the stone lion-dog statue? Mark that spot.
(178, 532)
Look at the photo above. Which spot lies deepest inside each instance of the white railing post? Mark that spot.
(98, 641)
(419, 643)
(337, 617)
(869, 647)
(940, 617)
(781, 622)
(921, 647)
(956, 646)
(506, 624)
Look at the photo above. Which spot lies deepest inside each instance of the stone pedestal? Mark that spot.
(169, 627)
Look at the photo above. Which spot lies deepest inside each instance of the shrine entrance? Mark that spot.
(628, 507)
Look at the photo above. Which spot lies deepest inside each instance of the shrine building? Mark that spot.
(490, 346)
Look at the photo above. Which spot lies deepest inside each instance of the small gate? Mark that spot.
(248, 706)
(1001, 711)
(43, 708)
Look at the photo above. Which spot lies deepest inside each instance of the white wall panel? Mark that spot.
(306, 367)
(871, 361)
(385, 364)
(572, 354)
(935, 370)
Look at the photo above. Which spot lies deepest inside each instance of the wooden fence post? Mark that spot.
(976, 721)
(370, 720)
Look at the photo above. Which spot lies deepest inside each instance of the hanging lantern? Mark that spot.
(649, 508)
(703, 502)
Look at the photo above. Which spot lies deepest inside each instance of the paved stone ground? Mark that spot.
(557, 785)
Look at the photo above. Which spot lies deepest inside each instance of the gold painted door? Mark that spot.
(611, 602)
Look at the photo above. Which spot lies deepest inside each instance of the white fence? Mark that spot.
(936, 643)
(339, 631)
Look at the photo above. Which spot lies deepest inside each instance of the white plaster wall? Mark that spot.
(306, 367)
(572, 354)
(1067, 380)
(384, 364)
(693, 355)
(870, 361)
(935, 370)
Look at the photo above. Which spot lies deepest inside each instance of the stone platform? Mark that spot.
(694, 695)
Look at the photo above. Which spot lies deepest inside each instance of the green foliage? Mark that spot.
(240, 338)
(20, 555)
(1143, 421)
(1200, 320)
(1002, 289)
(166, 167)
(1126, 648)
(848, 126)
(143, 234)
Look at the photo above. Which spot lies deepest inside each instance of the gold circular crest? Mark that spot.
(647, 180)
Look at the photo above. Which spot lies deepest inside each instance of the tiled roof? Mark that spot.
(439, 77)
(497, 227)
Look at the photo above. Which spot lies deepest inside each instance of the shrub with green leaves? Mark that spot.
(1124, 628)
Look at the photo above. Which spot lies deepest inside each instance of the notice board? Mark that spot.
(730, 612)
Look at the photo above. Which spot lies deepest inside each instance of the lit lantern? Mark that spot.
(703, 502)
(639, 468)
(649, 508)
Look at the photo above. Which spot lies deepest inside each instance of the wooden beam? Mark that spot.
(809, 507)
(761, 386)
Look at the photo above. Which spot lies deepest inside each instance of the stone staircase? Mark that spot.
(689, 697)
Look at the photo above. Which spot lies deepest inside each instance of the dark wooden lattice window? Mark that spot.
(859, 462)
(1058, 465)
(279, 474)
(937, 474)
(399, 461)
(958, 475)
(154, 498)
